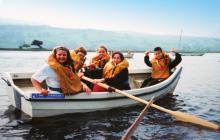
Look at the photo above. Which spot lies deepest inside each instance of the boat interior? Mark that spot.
(23, 81)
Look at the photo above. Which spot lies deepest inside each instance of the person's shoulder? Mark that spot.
(153, 60)
(41, 71)
(47, 69)
(166, 55)
(124, 70)
(46, 66)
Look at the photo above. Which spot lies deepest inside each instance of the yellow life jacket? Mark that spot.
(69, 81)
(100, 61)
(160, 68)
(110, 70)
(77, 61)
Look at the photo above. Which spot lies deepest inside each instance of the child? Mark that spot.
(161, 66)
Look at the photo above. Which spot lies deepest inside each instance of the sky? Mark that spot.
(164, 17)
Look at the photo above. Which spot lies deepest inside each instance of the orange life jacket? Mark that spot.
(110, 70)
(69, 81)
(77, 61)
(100, 61)
(160, 68)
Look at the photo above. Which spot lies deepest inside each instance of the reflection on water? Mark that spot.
(102, 125)
(106, 124)
(197, 93)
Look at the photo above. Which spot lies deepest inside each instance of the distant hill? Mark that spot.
(12, 36)
(7, 21)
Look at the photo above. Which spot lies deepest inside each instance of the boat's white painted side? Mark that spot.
(82, 102)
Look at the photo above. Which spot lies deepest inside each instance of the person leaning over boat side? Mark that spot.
(115, 73)
(59, 74)
(161, 66)
(78, 56)
(94, 69)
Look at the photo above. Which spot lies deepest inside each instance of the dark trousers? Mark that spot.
(93, 74)
(150, 81)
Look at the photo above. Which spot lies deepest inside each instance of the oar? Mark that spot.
(178, 115)
(132, 128)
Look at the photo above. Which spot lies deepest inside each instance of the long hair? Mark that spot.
(69, 60)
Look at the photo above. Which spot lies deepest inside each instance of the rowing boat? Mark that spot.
(24, 97)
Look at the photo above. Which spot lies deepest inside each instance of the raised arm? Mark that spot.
(147, 59)
(176, 61)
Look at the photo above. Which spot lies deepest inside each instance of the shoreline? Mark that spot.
(45, 49)
(31, 49)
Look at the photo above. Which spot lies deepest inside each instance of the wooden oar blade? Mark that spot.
(192, 119)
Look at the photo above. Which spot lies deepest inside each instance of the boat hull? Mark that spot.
(80, 103)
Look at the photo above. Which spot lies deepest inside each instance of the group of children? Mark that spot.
(64, 69)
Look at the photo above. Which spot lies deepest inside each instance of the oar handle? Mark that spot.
(143, 101)
(128, 95)
(92, 81)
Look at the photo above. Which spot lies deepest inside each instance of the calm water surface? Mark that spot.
(197, 93)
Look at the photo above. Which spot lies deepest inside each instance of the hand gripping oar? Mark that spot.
(178, 115)
(132, 128)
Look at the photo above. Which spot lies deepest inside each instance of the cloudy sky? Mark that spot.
(194, 17)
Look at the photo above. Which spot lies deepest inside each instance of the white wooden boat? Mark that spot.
(23, 96)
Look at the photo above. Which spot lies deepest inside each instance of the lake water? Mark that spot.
(197, 93)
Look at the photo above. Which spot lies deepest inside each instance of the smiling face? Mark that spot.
(116, 59)
(61, 56)
(158, 54)
(81, 55)
(101, 52)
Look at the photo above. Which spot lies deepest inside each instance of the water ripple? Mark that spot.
(197, 93)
